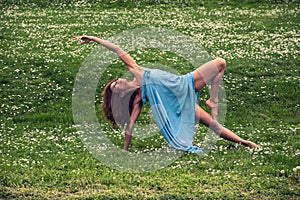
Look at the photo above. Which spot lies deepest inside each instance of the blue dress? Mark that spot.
(172, 99)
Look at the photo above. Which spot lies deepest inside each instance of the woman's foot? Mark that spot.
(213, 106)
(250, 144)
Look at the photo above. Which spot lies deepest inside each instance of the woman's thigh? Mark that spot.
(202, 116)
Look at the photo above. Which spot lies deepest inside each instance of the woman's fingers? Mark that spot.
(77, 38)
(83, 39)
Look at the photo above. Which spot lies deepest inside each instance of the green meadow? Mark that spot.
(42, 155)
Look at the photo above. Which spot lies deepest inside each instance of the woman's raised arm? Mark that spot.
(126, 58)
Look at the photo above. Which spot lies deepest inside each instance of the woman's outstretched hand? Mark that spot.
(84, 39)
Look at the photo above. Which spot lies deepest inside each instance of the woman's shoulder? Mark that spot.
(138, 73)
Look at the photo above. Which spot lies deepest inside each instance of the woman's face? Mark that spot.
(119, 85)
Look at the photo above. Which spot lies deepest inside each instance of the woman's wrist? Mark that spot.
(92, 38)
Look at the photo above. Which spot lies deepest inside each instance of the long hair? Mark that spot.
(117, 109)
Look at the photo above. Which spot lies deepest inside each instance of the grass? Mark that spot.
(41, 153)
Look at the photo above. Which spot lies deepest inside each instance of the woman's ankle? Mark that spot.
(213, 106)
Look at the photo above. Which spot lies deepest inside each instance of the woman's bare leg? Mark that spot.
(211, 73)
(204, 118)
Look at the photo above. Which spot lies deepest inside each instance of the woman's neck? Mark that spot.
(131, 87)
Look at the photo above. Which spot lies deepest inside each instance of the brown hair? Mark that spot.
(117, 109)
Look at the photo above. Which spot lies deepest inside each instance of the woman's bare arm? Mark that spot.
(133, 118)
(126, 58)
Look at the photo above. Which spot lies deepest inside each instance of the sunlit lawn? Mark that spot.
(42, 156)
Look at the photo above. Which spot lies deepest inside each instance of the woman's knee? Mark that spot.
(220, 63)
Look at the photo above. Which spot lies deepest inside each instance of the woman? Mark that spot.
(173, 100)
